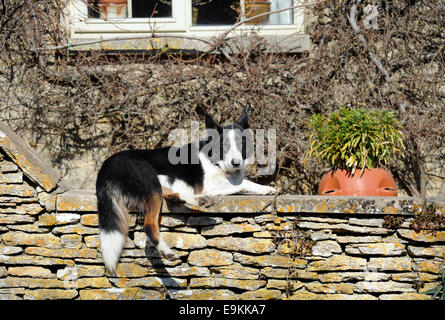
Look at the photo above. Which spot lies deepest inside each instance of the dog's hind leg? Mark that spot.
(152, 209)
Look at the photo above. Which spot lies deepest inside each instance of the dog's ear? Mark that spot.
(211, 124)
(243, 120)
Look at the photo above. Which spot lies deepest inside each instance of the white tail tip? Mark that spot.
(111, 245)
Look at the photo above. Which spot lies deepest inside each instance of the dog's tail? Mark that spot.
(113, 223)
(113, 208)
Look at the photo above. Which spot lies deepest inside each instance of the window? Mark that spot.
(129, 24)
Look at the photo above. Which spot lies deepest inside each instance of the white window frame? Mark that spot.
(79, 27)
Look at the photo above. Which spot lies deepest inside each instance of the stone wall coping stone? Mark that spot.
(35, 167)
(86, 201)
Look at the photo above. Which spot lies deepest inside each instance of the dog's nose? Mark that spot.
(235, 163)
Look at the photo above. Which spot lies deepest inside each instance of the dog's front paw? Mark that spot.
(268, 190)
(205, 202)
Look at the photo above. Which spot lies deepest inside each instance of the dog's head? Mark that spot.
(229, 147)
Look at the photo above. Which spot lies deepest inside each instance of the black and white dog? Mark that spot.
(137, 180)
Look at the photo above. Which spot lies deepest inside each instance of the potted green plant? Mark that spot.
(356, 143)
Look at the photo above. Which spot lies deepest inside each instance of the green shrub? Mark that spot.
(350, 138)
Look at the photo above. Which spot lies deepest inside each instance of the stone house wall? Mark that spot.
(243, 247)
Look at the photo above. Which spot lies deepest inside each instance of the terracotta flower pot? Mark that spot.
(256, 7)
(112, 9)
(373, 182)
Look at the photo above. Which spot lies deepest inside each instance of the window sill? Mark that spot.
(288, 43)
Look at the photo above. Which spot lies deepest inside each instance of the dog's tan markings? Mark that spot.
(169, 194)
(152, 208)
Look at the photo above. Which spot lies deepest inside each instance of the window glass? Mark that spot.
(215, 12)
(285, 17)
(227, 12)
(151, 8)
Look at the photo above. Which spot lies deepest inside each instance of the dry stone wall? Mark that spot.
(244, 247)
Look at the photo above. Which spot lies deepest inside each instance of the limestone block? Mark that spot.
(261, 294)
(414, 276)
(252, 245)
(284, 285)
(306, 295)
(265, 218)
(405, 296)
(382, 249)
(20, 190)
(7, 167)
(383, 287)
(236, 272)
(241, 204)
(338, 263)
(48, 201)
(422, 236)
(32, 283)
(14, 238)
(226, 283)
(323, 235)
(99, 282)
(210, 257)
(150, 282)
(326, 248)
(71, 241)
(343, 227)
(186, 241)
(77, 200)
(10, 250)
(270, 261)
(28, 228)
(187, 271)
(431, 266)
(15, 218)
(79, 271)
(354, 239)
(77, 228)
(390, 264)
(30, 271)
(173, 220)
(204, 294)
(62, 253)
(34, 260)
(317, 287)
(130, 270)
(11, 178)
(227, 229)
(119, 294)
(90, 220)
(279, 273)
(370, 222)
(427, 252)
(353, 276)
(55, 219)
(91, 241)
(49, 294)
